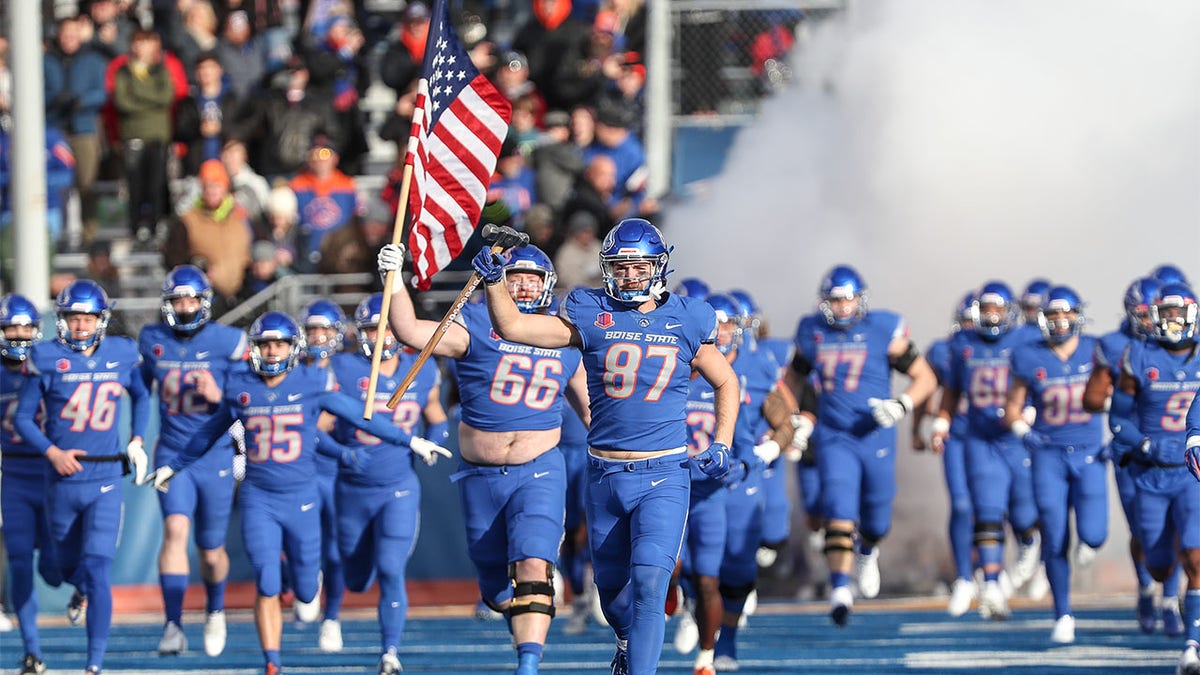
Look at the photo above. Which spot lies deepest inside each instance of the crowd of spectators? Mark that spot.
(237, 130)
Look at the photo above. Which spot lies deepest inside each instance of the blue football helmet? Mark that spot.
(1034, 296)
(635, 239)
(995, 322)
(1174, 314)
(692, 287)
(186, 281)
(1138, 298)
(530, 258)
(1059, 329)
(728, 311)
(270, 327)
(1169, 274)
(82, 296)
(843, 283)
(962, 312)
(323, 314)
(17, 310)
(367, 315)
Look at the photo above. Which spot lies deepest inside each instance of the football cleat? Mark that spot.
(620, 661)
(961, 595)
(1147, 612)
(329, 639)
(389, 663)
(867, 572)
(273, 669)
(765, 556)
(214, 633)
(724, 663)
(992, 603)
(1064, 630)
(841, 601)
(1039, 585)
(1172, 621)
(77, 608)
(1189, 661)
(173, 640)
(32, 665)
(704, 663)
(1029, 557)
(1084, 556)
(6, 624)
(687, 633)
(485, 613)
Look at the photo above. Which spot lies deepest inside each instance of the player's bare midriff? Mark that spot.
(504, 448)
(631, 454)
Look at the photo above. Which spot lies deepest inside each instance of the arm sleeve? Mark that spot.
(1126, 434)
(349, 410)
(326, 445)
(139, 394)
(25, 419)
(439, 432)
(204, 438)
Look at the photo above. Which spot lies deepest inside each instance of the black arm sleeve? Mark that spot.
(904, 361)
(801, 365)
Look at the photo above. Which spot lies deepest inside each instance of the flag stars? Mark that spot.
(462, 74)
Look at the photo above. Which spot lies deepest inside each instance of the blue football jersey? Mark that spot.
(1110, 347)
(1167, 383)
(175, 362)
(638, 366)
(281, 425)
(701, 421)
(938, 356)
(780, 348)
(20, 458)
(82, 395)
(505, 386)
(1056, 389)
(757, 374)
(382, 463)
(851, 366)
(979, 370)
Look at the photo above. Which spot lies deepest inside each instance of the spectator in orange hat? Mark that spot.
(214, 234)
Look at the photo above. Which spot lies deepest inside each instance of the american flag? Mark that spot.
(458, 126)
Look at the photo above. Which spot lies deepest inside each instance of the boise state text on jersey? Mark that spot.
(506, 386)
(638, 367)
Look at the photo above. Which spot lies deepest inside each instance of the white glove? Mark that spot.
(136, 452)
(803, 430)
(1029, 414)
(390, 258)
(888, 411)
(767, 451)
(162, 478)
(428, 451)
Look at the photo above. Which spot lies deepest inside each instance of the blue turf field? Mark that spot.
(781, 638)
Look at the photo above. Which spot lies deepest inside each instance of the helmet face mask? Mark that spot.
(267, 334)
(1138, 298)
(633, 262)
(843, 297)
(82, 298)
(994, 310)
(324, 329)
(530, 278)
(367, 320)
(20, 327)
(1174, 313)
(182, 283)
(1061, 317)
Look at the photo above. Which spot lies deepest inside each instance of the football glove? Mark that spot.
(162, 478)
(803, 429)
(713, 462)
(390, 258)
(1191, 457)
(428, 451)
(767, 451)
(888, 411)
(489, 266)
(136, 452)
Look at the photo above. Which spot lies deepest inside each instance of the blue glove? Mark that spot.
(713, 462)
(1035, 440)
(488, 265)
(352, 461)
(738, 470)
(1191, 457)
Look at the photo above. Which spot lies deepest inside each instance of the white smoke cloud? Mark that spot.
(937, 145)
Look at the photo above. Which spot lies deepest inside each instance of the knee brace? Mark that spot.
(989, 533)
(838, 540)
(736, 594)
(521, 602)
